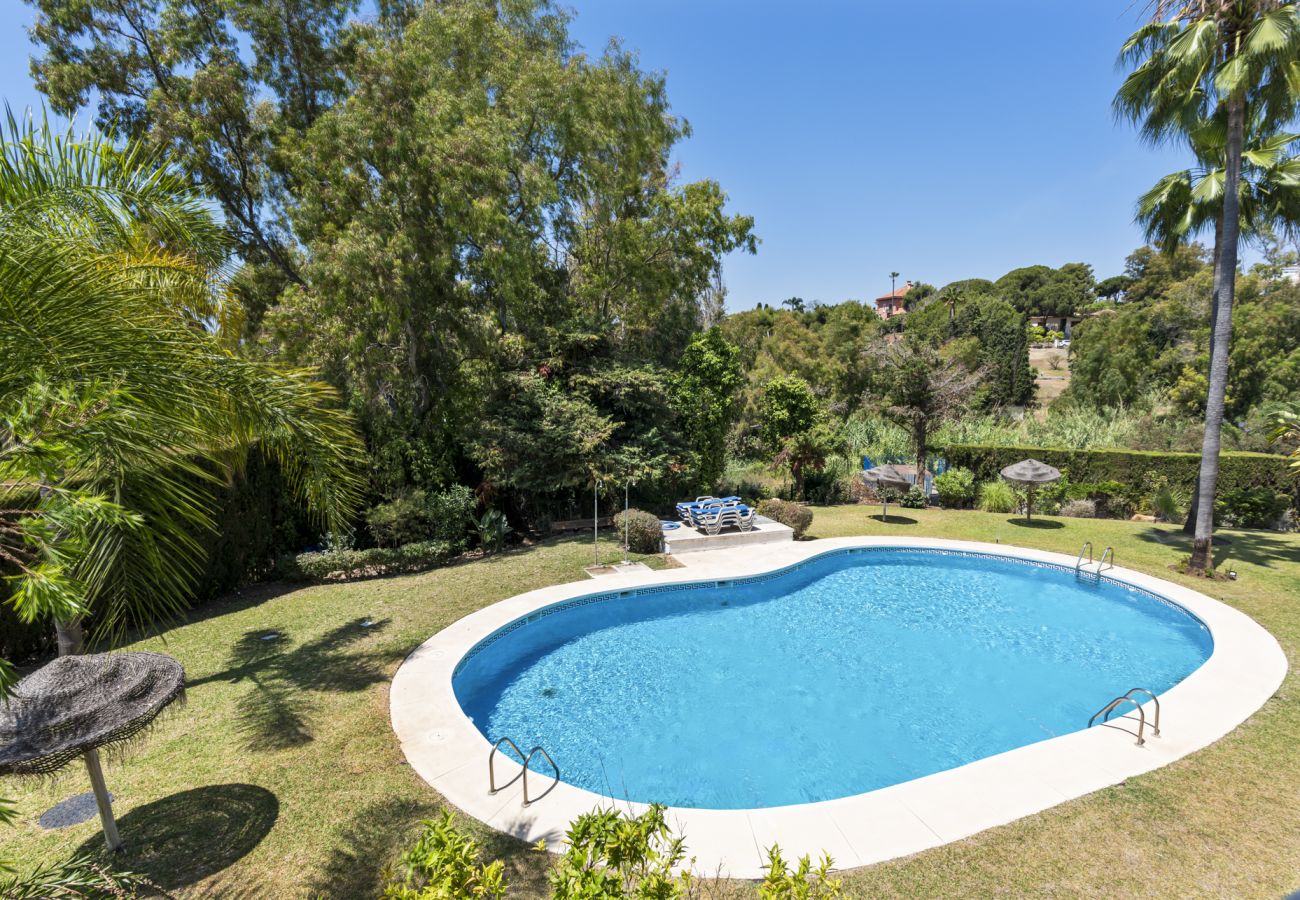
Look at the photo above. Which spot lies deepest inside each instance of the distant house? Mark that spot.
(891, 304)
(1063, 324)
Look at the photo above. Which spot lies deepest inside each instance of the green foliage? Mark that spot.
(79, 878)
(644, 532)
(610, 855)
(111, 386)
(795, 429)
(955, 487)
(794, 515)
(444, 864)
(1258, 507)
(344, 564)
(998, 497)
(804, 882)
(1042, 291)
(1079, 509)
(422, 516)
(875, 437)
(492, 530)
(1122, 479)
(704, 387)
(914, 499)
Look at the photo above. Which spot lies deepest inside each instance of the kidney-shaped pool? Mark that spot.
(854, 670)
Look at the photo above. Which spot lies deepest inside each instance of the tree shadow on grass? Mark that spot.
(1256, 548)
(183, 838)
(376, 837)
(893, 520)
(276, 712)
(1035, 523)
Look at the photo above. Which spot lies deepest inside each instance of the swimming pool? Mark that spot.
(853, 670)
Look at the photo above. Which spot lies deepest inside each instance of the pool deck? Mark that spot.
(445, 748)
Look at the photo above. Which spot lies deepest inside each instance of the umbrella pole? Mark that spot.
(101, 800)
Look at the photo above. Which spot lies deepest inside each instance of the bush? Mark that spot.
(998, 497)
(445, 863)
(1079, 509)
(914, 499)
(956, 488)
(795, 515)
(644, 532)
(337, 565)
(420, 516)
(492, 530)
(609, 854)
(1251, 508)
(1122, 478)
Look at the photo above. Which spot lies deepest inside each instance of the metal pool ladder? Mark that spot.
(1081, 566)
(528, 759)
(1105, 711)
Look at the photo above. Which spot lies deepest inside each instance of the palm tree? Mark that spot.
(1195, 61)
(123, 402)
(1182, 204)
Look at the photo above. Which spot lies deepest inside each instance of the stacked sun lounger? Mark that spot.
(712, 514)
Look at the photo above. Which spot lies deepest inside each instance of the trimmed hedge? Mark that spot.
(787, 512)
(645, 533)
(1134, 470)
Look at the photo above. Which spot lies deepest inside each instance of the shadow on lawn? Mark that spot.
(181, 839)
(894, 520)
(1256, 548)
(1035, 523)
(381, 832)
(276, 712)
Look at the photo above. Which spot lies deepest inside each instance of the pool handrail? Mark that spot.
(1078, 563)
(1105, 711)
(527, 758)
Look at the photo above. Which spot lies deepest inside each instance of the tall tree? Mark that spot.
(924, 389)
(1197, 60)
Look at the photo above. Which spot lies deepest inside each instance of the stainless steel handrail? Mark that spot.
(1155, 726)
(492, 777)
(1078, 563)
(1105, 711)
(528, 759)
(1101, 564)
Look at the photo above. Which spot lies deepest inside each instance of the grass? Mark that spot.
(281, 776)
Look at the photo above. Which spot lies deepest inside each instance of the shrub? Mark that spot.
(998, 497)
(802, 883)
(1079, 509)
(644, 532)
(420, 516)
(445, 863)
(1250, 508)
(795, 515)
(956, 488)
(492, 530)
(914, 499)
(337, 565)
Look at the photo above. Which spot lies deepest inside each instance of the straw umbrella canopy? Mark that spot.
(886, 477)
(75, 705)
(1030, 474)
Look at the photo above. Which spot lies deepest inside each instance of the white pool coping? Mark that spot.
(445, 748)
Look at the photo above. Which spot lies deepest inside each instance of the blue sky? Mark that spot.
(943, 141)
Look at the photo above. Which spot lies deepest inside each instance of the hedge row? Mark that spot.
(1135, 469)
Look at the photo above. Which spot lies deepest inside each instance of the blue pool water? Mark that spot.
(857, 670)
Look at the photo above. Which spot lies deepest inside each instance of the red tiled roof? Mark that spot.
(897, 293)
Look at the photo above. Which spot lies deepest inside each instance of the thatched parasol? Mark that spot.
(75, 705)
(1029, 474)
(888, 477)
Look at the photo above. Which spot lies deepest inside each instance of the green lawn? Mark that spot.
(281, 776)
